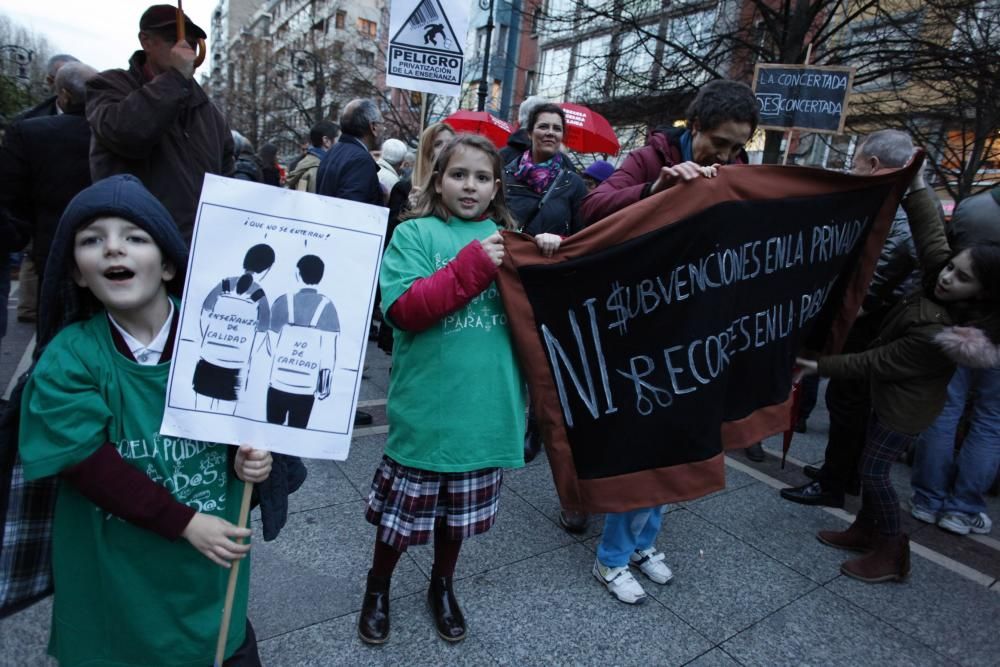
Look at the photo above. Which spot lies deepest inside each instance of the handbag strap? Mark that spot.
(545, 198)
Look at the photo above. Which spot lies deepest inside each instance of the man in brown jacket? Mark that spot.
(155, 122)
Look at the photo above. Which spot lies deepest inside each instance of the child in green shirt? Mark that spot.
(456, 398)
(128, 590)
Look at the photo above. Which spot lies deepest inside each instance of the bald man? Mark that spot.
(50, 105)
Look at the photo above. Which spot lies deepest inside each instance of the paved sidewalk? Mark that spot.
(752, 585)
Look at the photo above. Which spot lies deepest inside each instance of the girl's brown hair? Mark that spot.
(425, 153)
(430, 203)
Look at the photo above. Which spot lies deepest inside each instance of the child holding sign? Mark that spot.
(909, 366)
(456, 398)
(128, 590)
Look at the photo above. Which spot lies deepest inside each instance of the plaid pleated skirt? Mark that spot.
(404, 503)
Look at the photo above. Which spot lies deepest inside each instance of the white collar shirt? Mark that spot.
(147, 355)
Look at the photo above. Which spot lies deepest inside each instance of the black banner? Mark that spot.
(691, 325)
(665, 334)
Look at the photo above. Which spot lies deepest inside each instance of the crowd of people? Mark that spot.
(102, 182)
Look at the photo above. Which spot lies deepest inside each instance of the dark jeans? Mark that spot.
(849, 403)
(296, 407)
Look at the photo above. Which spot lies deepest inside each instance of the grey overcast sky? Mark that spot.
(101, 33)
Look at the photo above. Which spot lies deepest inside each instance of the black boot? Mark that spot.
(373, 624)
(444, 608)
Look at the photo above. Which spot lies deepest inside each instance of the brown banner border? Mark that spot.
(734, 183)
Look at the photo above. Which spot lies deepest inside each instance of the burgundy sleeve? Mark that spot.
(625, 186)
(107, 480)
(444, 291)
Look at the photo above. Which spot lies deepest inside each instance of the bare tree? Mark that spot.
(271, 98)
(644, 59)
(946, 88)
(22, 84)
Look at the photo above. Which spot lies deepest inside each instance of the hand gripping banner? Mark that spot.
(666, 333)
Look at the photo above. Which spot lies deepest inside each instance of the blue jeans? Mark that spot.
(943, 482)
(627, 531)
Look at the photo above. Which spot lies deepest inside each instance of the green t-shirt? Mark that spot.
(456, 399)
(124, 595)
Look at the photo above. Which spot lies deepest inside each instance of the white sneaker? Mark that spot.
(650, 563)
(961, 523)
(921, 513)
(620, 583)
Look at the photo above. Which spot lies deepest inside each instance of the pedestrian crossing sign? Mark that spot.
(425, 52)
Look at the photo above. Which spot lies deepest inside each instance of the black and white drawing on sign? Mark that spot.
(233, 316)
(431, 33)
(305, 352)
(274, 319)
(425, 51)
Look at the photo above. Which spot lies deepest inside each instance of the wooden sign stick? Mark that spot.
(234, 571)
(791, 133)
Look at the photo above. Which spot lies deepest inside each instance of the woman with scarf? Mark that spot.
(543, 192)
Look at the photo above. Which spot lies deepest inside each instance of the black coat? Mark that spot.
(247, 168)
(517, 143)
(561, 212)
(44, 163)
(348, 171)
(46, 107)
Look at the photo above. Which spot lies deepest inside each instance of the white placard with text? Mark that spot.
(274, 320)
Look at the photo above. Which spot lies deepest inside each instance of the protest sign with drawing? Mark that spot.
(667, 332)
(274, 320)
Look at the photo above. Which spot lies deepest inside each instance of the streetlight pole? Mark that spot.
(486, 54)
(300, 65)
(19, 55)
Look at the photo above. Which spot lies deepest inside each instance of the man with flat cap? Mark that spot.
(154, 121)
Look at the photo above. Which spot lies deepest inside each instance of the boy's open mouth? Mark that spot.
(118, 273)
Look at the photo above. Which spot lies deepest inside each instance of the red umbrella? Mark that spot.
(588, 131)
(481, 122)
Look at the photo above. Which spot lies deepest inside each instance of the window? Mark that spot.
(634, 64)
(877, 51)
(337, 49)
(695, 30)
(591, 66)
(502, 36)
(368, 28)
(530, 83)
(340, 19)
(555, 70)
(480, 41)
(365, 58)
